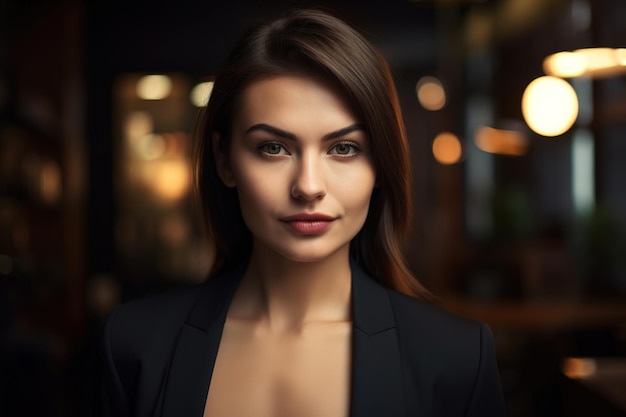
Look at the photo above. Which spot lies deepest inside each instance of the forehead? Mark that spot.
(293, 99)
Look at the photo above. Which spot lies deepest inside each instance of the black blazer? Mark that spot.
(410, 358)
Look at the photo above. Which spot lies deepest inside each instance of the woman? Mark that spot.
(302, 169)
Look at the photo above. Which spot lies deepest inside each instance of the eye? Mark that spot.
(344, 149)
(273, 148)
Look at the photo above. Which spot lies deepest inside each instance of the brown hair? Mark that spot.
(314, 42)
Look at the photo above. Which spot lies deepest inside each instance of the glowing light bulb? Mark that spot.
(549, 106)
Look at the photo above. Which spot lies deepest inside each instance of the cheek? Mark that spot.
(257, 191)
(361, 202)
(356, 187)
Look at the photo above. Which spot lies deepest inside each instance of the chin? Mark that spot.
(308, 255)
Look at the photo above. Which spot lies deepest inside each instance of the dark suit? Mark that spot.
(410, 358)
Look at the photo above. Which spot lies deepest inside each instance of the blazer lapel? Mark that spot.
(377, 388)
(196, 350)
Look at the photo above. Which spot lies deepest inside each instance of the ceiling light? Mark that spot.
(549, 106)
(590, 62)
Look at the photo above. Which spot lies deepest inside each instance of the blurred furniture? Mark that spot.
(543, 314)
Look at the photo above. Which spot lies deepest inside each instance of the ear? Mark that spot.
(222, 163)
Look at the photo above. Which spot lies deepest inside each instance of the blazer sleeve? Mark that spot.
(112, 399)
(487, 398)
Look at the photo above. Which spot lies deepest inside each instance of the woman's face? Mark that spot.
(302, 166)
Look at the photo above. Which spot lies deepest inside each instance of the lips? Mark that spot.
(309, 223)
(309, 217)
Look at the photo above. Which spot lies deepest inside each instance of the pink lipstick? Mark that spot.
(309, 223)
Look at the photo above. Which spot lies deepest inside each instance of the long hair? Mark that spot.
(314, 42)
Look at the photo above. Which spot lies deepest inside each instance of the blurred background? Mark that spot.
(516, 115)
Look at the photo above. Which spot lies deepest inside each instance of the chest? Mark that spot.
(296, 375)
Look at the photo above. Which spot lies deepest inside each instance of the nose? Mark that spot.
(309, 183)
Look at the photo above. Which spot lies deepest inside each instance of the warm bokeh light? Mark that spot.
(501, 141)
(430, 93)
(50, 185)
(150, 147)
(138, 124)
(579, 368)
(620, 54)
(565, 64)
(200, 94)
(591, 62)
(43, 178)
(447, 148)
(154, 87)
(169, 179)
(599, 60)
(549, 106)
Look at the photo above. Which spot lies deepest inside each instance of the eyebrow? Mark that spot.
(288, 135)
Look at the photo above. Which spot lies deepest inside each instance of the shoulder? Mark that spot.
(450, 343)
(137, 341)
(449, 357)
(421, 315)
(152, 324)
(157, 308)
(150, 320)
(140, 338)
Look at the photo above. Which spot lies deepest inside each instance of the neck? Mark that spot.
(287, 295)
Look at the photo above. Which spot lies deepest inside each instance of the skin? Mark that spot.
(297, 148)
